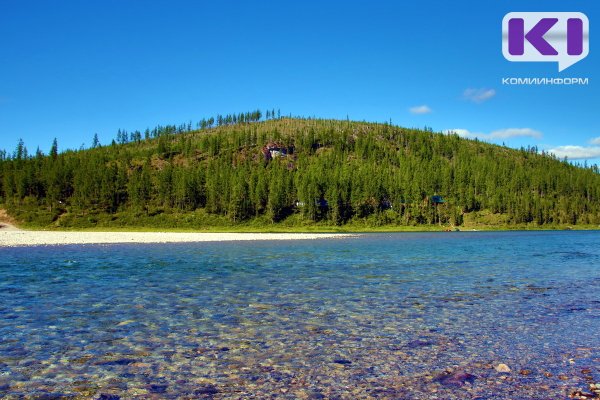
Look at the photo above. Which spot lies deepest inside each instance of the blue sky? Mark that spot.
(70, 69)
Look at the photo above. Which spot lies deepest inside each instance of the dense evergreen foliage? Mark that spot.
(241, 167)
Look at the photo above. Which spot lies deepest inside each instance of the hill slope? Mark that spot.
(297, 174)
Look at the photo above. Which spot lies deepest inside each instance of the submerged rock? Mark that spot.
(52, 396)
(456, 378)
(105, 396)
(120, 361)
(208, 389)
(419, 343)
(342, 361)
(502, 368)
(157, 388)
(525, 372)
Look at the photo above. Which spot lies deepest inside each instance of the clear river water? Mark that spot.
(461, 315)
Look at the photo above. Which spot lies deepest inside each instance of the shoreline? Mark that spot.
(11, 236)
(23, 238)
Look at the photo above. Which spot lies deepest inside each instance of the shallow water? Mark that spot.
(407, 315)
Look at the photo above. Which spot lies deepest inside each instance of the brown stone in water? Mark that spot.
(457, 378)
(578, 394)
(525, 372)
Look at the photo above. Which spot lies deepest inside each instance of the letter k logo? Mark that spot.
(517, 36)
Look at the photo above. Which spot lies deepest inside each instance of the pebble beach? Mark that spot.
(10, 237)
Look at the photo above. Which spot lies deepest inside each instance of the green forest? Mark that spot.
(255, 171)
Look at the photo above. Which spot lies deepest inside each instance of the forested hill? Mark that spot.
(305, 173)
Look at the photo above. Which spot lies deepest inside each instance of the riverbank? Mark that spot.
(15, 238)
(11, 236)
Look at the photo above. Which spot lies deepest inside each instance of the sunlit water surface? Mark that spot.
(407, 315)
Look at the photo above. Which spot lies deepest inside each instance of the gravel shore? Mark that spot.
(13, 238)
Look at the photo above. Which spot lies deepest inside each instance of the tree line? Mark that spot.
(336, 172)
